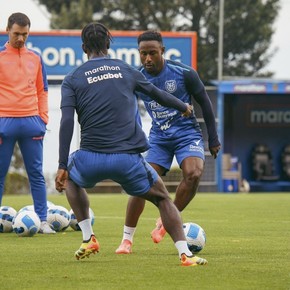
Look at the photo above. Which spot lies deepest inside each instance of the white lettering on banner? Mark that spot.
(270, 117)
(104, 77)
(66, 56)
(254, 88)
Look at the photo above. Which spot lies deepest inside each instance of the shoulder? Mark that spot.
(176, 65)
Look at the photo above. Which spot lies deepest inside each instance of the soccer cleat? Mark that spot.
(90, 247)
(45, 228)
(192, 261)
(159, 232)
(125, 247)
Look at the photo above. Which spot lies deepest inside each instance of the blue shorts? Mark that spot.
(162, 151)
(131, 171)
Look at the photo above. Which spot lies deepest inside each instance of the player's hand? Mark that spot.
(188, 111)
(61, 179)
(214, 151)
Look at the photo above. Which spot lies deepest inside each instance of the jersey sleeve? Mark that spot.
(197, 90)
(68, 98)
(42, 92)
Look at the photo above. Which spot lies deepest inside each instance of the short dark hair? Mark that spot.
(150, 35)
(96, 37)
(18, 18)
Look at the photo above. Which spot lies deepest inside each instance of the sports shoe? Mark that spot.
(192, 261)
(159, 232)
(125, 247)
(45, 228)
(90, 247)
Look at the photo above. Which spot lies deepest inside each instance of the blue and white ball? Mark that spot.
(195, 237)
(27, 207)
(58, 217)
(26, 223)
(7, 215)
(74, 223)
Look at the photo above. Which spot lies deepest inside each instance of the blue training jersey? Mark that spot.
(184, 83)
(103, 93)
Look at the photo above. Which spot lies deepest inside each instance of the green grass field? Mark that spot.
(248, 247)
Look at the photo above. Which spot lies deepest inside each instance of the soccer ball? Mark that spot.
(27, 207)
(58, 217)
(195, 237)
(49, 204)
(7, 214)
(26, 223)
(74, 223)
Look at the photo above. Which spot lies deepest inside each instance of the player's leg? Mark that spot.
(192, 169)
(189, 153)
(31, 145)
(79, 201)
(143, 181)
(7, 144)
(135, 208)
(172, 222)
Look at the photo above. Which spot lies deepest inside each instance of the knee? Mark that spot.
(193, 176)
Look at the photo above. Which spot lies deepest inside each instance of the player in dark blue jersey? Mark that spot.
(102, 91)
(170, 134)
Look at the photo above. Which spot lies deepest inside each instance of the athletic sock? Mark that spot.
(128, 233)
(182, 248)
(86, 228)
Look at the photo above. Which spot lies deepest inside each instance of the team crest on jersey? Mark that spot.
(170, 86)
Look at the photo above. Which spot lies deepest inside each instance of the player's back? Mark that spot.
(102, 91)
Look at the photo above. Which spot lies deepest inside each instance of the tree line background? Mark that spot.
(248, 30)
(248, 27)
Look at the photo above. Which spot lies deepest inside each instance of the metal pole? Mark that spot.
(221, 40)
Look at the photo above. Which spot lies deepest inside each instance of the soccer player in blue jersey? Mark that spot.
(102, 92)
(171, 134)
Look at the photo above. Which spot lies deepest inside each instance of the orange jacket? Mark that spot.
(23, 83)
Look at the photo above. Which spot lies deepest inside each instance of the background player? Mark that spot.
(23, 111)
(170, 134)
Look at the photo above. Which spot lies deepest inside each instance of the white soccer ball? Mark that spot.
(7, 215)
(26, 223)
(74, 223)
(195, 237)
(49, 204)
(58, 217)
(27, 207)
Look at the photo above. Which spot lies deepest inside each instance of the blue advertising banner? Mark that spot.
(61, 50)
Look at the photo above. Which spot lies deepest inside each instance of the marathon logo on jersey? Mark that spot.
(170, 86)
(105, 76)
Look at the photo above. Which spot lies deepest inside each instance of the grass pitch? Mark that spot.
(248, 247)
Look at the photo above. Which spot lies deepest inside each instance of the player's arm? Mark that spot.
(42, 92)
(65, 137)
(162, 97)
(196, 88)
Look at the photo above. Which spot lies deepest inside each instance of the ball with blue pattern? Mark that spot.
(7, 215)
(195, 237)
(58, 217)
(26, 223)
